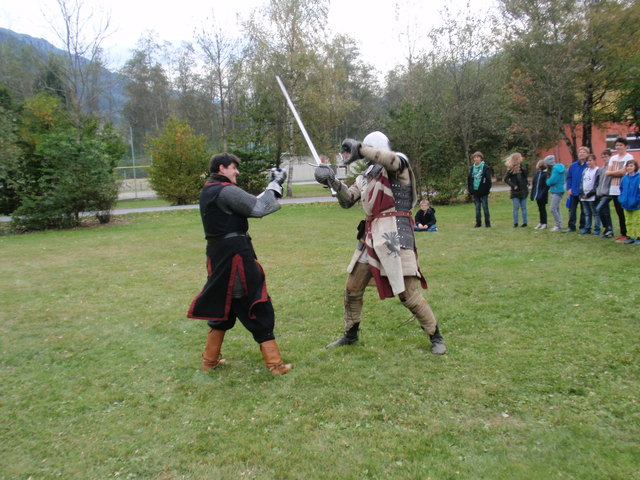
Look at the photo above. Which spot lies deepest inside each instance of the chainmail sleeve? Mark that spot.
(233, 199)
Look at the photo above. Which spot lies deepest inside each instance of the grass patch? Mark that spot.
(99, 369)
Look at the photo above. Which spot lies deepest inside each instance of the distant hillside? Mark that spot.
(22, 55)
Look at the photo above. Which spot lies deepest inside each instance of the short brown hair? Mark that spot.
(225, 159)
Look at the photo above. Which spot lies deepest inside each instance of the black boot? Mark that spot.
(437, 343)
(349, 338)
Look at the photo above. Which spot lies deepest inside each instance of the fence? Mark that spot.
(133, 182)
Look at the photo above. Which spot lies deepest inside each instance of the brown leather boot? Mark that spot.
(272, 358)
(211, 357)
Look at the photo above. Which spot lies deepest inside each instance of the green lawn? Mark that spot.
(100, 379)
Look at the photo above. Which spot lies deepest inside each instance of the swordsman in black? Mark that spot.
(387, 251)
(235, 287)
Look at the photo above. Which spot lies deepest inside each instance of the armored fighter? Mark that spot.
(386, 250)
(235, 287)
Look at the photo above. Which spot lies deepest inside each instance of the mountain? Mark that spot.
(26, 54)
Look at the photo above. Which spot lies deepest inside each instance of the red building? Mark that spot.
(602, 137)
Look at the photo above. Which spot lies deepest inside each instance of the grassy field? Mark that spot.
(100, 379)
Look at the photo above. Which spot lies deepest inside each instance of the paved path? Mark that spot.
(124, 211)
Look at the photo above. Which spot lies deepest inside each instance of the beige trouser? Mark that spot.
(411, 298)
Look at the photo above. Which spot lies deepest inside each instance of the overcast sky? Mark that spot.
(367, 21)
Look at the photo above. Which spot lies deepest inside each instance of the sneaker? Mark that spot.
(555, 229)
(621, 238)
(637, 241)
(596, 231)
(584, 231)
(607, 234)
(629, 241)
(537, 227)
(568, 230)
(523, 225)
(515, 225)
(543, 226)
(477, 226)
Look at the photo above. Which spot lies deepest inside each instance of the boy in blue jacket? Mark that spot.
(630, 200)
(574, 177)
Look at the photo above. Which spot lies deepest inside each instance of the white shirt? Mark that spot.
(588, 179)
(616, 163)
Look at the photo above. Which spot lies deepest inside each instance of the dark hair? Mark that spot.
(591, 156)
(622, 140)
(225, 159)
(632, 162)
(606, 151)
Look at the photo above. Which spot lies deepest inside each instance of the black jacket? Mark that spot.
(518, 182)
(539, 187)
(485, 181)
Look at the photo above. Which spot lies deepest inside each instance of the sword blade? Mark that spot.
(299, 121)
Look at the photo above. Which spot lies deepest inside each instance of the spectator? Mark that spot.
(540, 190)
(425, 219)
(516, 178)
(602, 193)
(588, 187)
(556, 187)
(616, 170)
(479, 185)
(574, 177)
(630, 201)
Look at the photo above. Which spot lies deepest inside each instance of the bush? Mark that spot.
(180, 163)
(74, 176)
(253, 177)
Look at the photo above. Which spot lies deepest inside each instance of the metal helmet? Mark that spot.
(377, 140)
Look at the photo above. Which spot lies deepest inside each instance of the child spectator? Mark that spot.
(630, 200)
(540, 190)
(425, 220)
(603, 211)
(556, 187)
(588, 186)
(517, 179)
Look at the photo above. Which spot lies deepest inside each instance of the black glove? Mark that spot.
(277, 175)
(352, 147)
(325, 175)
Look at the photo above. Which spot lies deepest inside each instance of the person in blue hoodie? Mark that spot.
(630, 200)
(574, 177)
(556, 187)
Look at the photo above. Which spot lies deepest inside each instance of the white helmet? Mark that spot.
(377, 140)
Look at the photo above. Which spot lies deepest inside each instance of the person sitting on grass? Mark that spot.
(425, 219)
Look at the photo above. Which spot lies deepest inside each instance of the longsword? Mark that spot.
(301, 125)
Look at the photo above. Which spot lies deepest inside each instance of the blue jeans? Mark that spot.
(573, 210)
(604, 213)
(482, 200)
(589, 209)
(522, 204)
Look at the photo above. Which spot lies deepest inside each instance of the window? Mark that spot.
(632, 138)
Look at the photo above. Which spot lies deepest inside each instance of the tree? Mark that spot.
(80, 70)
(9, 153)
(148, 89)
(287, 46)
(220, 54)
(565, 58)
(180, 163)
(191, 101)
